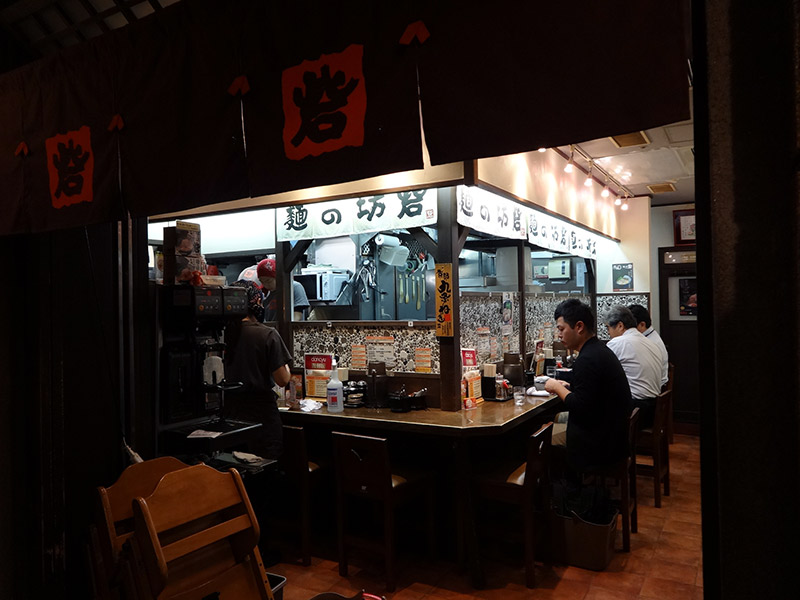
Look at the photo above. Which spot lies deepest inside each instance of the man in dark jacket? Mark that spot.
(598, 397)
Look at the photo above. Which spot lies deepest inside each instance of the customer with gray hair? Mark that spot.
(640, 359)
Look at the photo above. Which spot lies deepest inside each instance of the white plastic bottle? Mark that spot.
(335, 393)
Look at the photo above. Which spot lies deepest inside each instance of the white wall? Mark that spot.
(539, 177)
(634, 247)
(661, 236)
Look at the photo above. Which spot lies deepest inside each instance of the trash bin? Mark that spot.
(276, 582)
(579, 543)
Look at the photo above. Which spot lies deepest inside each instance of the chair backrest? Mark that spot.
(537, 467)
(661, 417)
(362, 465)
(294, 459)
(196, 511)
(670, 376)
(633, 430)
(115, 515)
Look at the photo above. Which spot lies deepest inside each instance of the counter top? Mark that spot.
(488, 418)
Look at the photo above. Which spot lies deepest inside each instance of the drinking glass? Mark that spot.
(519, 395)
(551, 372)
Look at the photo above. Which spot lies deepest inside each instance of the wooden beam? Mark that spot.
(426, 241)
(450, 347)
(293, 256)
(95, 18)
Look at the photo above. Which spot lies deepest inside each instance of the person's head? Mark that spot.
(255, 298)
(618, 320)
(575, 323)
(642, 317)
(266, 274)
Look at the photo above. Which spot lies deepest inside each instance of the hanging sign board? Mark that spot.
(490, 213)
(336, 218)
(444, 299)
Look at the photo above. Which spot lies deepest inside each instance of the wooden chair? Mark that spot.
(520, 486)
(654, 441)
(114, 522)
(363, 471)
(302, 474)
(624, 471)
(196, 537)
(668, 388)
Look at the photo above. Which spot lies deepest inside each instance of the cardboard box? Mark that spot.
(182, 255)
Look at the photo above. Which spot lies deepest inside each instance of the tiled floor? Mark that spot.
(665, 561)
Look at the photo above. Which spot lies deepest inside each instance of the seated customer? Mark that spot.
(645, 327)
(640, 358)
(598, 397)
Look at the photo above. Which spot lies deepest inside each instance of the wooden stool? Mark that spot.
(301, 474)
(519, 486)
(624, 471)
(654, 441)
(363, 471)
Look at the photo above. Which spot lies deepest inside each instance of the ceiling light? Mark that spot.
(571, 162)
(617, 201)
(605, 193)
(542, 150)
(625, 204)
(588, 181)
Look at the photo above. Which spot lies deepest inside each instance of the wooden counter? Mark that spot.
(489, 418)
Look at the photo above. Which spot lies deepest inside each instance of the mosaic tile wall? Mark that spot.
(339, 339)
(540, 309)
(606, 301)
(486, 311)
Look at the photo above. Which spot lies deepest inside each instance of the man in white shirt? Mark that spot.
(645, 326)
(640, 359)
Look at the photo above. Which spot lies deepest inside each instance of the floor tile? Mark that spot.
(665, 561)
(665, 589)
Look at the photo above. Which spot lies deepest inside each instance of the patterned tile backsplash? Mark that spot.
(477, 310)
(606, 301)
(339, 339)
(540, 309)
(486, 310)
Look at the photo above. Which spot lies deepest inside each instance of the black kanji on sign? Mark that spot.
(320, 105)
(370, 213)
(70, 163)
(411, 203)
(296, 218)
(331, 216)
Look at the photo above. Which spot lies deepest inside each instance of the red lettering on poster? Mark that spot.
(324, 104)
(70, 164)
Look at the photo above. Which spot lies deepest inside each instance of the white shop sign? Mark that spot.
(336, 218)
(490, 213)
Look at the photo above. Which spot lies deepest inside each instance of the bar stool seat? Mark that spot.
(363, 471)
(654, 441)
(520, 486)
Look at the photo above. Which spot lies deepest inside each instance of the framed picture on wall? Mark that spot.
(684, 227)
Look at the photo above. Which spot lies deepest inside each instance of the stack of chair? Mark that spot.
(187, 533)
(110, 563)
(196, 536)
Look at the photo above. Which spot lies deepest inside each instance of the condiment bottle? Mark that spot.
(334, 392)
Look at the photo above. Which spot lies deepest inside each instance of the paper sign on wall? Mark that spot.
(444, 299)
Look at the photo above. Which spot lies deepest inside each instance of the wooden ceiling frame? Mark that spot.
(55, 38)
